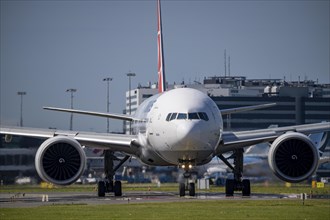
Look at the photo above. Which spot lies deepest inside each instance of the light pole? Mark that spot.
(129, 97)
(108, 79)
(71, 117)
(21, 94)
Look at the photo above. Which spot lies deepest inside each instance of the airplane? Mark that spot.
(180, 127)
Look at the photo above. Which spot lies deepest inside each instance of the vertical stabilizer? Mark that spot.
(161, 69)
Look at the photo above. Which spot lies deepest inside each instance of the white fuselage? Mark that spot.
(177, 127)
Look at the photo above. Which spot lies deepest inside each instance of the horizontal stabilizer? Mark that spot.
(99, 114)
(246, 108)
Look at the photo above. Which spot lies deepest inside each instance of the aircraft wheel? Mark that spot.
(182, 189)
(230, 187)
(192, 189)
(101, 189)
(109, 186)
(117, 188)
(246, 191)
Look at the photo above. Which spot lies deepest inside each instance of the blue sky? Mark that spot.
(50, 46)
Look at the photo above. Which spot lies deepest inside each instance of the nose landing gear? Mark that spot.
(188, 184)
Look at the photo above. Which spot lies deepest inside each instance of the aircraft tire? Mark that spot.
(101, 189)
(182, 189)
(117, 188)
(109, 186)
(246, 191)
(192, 189)
(230, 187)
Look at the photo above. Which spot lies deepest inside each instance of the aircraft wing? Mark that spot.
(116, 142)
(246, 108)
(235, 140)
(98, 114)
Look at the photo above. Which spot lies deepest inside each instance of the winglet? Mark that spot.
(161, 69)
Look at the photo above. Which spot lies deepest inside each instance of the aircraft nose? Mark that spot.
(188, 134)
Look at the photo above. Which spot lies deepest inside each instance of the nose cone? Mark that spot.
(189, 135)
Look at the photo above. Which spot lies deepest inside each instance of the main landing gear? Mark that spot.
(187, 185)
(109, 185)
(236, 184)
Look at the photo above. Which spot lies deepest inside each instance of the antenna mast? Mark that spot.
(228, 65)
(225, 64)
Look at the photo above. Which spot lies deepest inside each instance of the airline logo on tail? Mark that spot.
(161, 69)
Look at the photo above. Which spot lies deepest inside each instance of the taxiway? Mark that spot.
(15, 200)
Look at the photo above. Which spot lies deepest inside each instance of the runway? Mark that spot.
(11, 200)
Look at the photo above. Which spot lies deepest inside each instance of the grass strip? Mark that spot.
(220, 209)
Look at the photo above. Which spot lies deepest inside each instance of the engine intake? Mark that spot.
(60, 160)
(293, 157)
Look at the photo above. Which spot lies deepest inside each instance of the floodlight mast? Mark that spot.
(21, 94)
(108, 80)
(71, 117)
(130, 74)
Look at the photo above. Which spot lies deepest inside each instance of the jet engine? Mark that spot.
(60, 160)
(293, 157)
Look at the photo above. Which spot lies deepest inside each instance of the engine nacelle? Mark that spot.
(60, 160)
(293, 157)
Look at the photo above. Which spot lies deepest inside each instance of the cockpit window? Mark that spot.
(182, 116)
(168, 117)
(193, 116)
(173, 116)
(203, 116)
(185, 116)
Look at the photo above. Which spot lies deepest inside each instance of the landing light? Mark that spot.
(183, 166)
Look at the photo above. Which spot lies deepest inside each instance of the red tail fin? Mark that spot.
(161, 69)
